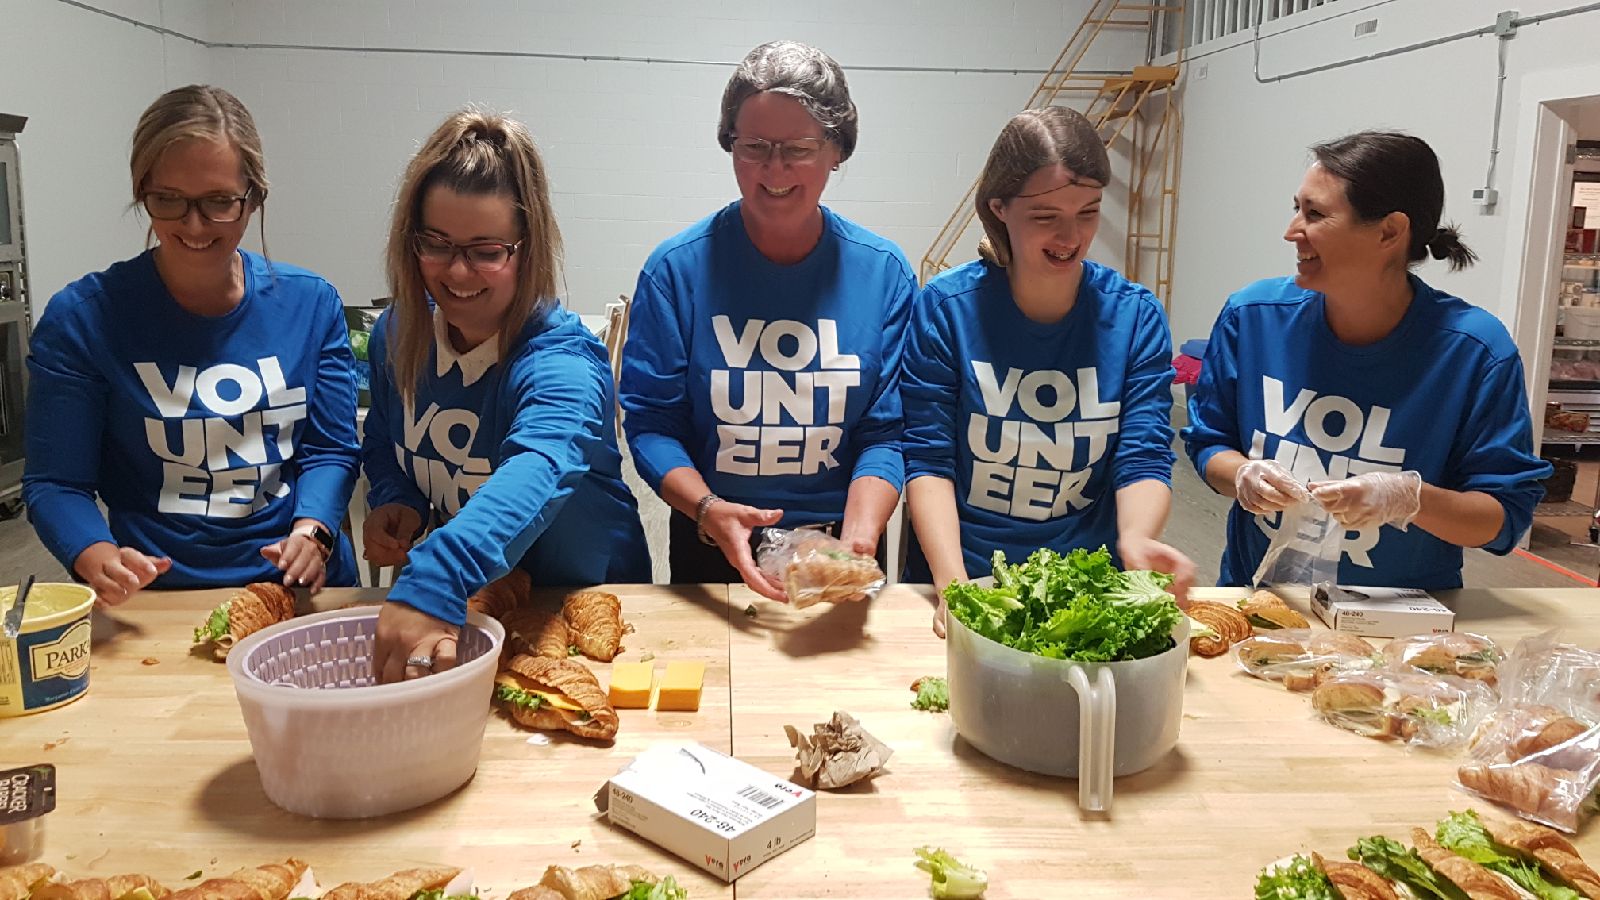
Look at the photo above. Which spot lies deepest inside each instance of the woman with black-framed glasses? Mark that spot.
(205, 396)
(492, 415)
(761, 373)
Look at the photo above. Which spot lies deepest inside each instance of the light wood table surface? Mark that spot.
(1254, 776)
(155, 773)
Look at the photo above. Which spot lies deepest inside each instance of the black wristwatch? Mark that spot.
(319, 533)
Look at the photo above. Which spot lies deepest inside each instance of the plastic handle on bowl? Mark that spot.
(1097, 735)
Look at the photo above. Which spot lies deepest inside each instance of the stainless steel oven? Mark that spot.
(14, 312)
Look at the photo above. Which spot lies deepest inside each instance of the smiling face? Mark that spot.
(781, 196)
(473, 302)
(1051, 223)
(194, 169)
(1333, 247)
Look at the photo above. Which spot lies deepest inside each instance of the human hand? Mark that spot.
(387, 536)
(729, 524)
(117, 573)
(1372, 498)
(406, 636)
(300, 558)
(1139, 552)
(1263, 486)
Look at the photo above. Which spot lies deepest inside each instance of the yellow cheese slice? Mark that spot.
(521, 684)
(680, 687)
(631, 683)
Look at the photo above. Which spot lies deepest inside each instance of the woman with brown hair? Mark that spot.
(1357, 386)
(205, 395)
(1037, 384)
(492, 405)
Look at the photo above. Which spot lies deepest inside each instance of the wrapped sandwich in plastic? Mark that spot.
(1458, 653)
(816, 568)
(1302, 658)
(1415, 708)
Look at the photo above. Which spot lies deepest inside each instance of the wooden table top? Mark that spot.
(156, 775)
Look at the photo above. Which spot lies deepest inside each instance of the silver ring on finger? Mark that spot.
(421, 662)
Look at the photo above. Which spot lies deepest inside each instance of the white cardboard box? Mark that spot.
(723, 815)
(1382, 612)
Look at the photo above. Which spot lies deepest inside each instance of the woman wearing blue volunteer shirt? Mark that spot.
(492, 406)
(1038, 384)
(1355, 385)
(202, 393)
(759, 380)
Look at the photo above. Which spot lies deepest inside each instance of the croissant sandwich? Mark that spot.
(1228, 627)
(117, 887)
(536, 632)
(273, 881)
(599, 883)
(1451, 653)
(1302, 659)
(1267, 610)
(432, 882)
(16, 882)
(556, 694)
(594, 623)
(502, 595)
(250, 609)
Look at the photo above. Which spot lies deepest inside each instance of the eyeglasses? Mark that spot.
(218, 208)
(481, 256)
(798, 152)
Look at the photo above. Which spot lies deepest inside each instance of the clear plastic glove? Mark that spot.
(1262, 486)
(1375, 498)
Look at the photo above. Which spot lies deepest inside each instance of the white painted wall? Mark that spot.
(1245, 142)
(630, 146)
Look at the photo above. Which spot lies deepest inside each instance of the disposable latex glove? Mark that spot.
(1375, 498)
(1262, 486)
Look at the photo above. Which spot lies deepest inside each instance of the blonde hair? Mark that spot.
(206, 113)
(1033, 140)
(472, 153)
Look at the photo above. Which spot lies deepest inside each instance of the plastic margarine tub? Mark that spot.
(48, 664)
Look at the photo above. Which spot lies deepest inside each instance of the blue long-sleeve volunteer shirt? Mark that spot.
(516, 461)
(1036, 425)
(778, 383)
(205, 436)
(1442, 395)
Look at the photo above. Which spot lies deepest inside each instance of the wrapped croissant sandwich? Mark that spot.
(274, 881)
(1302, 658)
(1450, 653)
(817, 568)
(1427, 710)
(556, 694)
(502, 595)
(250, 609)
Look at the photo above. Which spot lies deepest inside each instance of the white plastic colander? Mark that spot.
(330, 742)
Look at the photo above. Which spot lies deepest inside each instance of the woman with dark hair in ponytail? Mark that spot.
(1357, 386)
(1037, 384)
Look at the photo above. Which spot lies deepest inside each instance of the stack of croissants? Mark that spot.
(289, 880)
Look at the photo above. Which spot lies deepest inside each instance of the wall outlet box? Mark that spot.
(1367, 28)
(723, 815)
(1485, 196)
(1381, 612)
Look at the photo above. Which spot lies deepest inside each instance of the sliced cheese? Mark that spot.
(631, 683)
(680, 687)
(512, 679)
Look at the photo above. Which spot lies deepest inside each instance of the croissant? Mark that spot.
(536, 632)
(550, 694)
(1526, 787)
(269, 882)
(17, 881)
(1230, 625)
(1355, 881)
(399, 886)
(1550, 848)
(502, 595)
(250, 609)
(1478, 883)
(1543, 732)
(593, 882)
(1267, 610)
(537, 892)
(831, 574)
(594, 623)
(113, 888)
